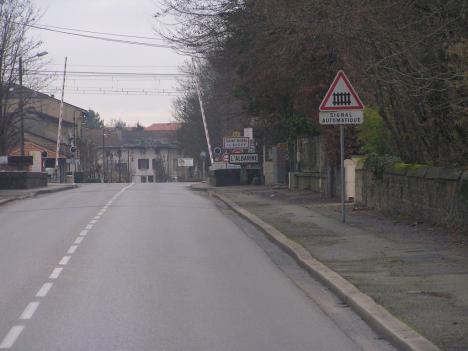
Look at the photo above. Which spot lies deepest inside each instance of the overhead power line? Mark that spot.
(113, 91)
(121, 41)
(93, 32)
(105, 74)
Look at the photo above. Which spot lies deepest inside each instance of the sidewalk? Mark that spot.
(8, 195)
(417, 272)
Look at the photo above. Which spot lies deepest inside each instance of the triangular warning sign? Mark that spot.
(341, 96)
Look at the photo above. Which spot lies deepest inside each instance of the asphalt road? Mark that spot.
(146, 267)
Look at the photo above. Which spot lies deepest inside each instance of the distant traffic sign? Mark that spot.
(236, 142)
(243, 158)
(341, 96)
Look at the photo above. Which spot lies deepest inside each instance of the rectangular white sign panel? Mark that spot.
(243, 158)
(3, 160)
(221, 165)
(248, 132)
(185, 162)
(236, 142)
(341, 117)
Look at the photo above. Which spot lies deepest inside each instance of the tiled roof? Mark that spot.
(171, 126)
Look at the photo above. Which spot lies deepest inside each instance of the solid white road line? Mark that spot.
(97, 217)
(11, 337)
(29, 310)
(89, 227)
(64, 260)
(44, 290)
(83, 232)
(72, 249)
(56, 273)
(78, 240)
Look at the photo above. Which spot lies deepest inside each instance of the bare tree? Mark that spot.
(16, 16)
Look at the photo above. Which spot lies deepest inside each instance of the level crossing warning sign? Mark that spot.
(341, 104)
(341, 96)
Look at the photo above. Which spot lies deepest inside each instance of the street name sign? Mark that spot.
(236, 142)
(243, 158)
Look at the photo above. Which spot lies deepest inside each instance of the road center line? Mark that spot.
(44, 290)
(93, 221)
(11, 337)
(64, 260)
(29, 310)
(56, 273)
(97, 217)
(83, 233)
(78, 240)
(72, 249)
(89, 226)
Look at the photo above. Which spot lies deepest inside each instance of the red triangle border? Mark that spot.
(341, 75)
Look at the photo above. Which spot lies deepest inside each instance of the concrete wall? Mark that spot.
(22, 180)
(429, 194)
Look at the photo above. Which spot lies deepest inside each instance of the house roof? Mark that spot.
(160, 127)
(133, 138)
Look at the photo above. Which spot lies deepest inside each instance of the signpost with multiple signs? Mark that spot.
(341, 106)
(237, 152)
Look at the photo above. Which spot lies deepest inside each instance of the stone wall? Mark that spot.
(22, 180)
(430, 194)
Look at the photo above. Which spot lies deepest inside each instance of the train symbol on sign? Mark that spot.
(341, 99)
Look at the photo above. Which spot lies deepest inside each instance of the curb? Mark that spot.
(376, 316)
(36, 193)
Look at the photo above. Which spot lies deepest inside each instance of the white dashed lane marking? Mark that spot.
(72, 249)
(13, 334)
(29, 310)
(56, 273)
(44, 290)
(64, 260)
(11, 337)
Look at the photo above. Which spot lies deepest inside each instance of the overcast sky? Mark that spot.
(130, 17)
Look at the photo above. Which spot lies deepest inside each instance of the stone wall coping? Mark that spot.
(443, 173)
(422, 171)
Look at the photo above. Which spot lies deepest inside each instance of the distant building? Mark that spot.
(41, 117)
(139, 155)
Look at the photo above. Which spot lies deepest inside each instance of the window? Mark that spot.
(143, 179)
(150, 179)
(143, 163)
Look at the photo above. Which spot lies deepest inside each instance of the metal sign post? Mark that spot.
(341, 106)
(343, 188)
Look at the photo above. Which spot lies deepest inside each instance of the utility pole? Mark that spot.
(21, 103)
(202, 109)
(128, 165)
(104, 158)
(59, 130)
